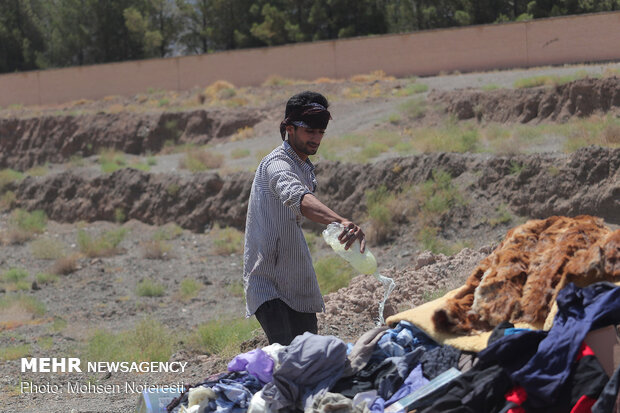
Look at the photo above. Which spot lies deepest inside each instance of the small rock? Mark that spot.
(424, 259)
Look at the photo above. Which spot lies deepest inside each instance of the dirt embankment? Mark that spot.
(536, 186)
(33, 141)
(580, 98)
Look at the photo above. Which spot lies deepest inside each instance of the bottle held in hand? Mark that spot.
(364, 263)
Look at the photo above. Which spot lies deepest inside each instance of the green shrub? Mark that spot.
(332, 273)
(467, 141)
(34, 222)
(222, 337)
(149, 340)
(503, 216)
(549, 80)
(412, 89)
(102, 246)
(430, 240)
(227, 240)
(14, 352)
(490, 86)
(8, 176)
(25, 302)
(44, 248)
(189, 288)
(371, 150)
(236, 288)
(516, 167)
(168, 232)
(440, 194)
(41, 170)
(379, 213)
(44, 278)
(140, 166)
(240, 153)
(14, 275)
(414, 109)
(7, 200)
(150, 288)
(58, 324)
(111, 160)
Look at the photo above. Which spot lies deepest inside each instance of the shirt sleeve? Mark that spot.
(285, 184)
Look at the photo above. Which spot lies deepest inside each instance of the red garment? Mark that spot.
(583, 405)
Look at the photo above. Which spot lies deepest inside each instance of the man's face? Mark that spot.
(305, 140)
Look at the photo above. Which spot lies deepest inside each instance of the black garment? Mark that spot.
(499, 331)
(282, 324)
(478, 390)
(385, 376)
(607, 398)
(440, 359)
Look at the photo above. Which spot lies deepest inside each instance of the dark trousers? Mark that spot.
(282, 324)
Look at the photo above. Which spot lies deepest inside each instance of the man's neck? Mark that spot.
(301, 155)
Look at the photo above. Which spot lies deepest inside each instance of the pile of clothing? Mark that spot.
(403, 368)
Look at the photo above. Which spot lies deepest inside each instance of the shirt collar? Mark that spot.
(291, 152)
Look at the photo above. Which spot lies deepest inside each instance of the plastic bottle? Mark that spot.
(364, 263)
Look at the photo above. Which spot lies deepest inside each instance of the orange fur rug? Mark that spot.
(519, 281)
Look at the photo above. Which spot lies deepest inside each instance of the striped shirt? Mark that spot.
(276, 260)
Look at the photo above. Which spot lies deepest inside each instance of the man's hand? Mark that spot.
(351, 233)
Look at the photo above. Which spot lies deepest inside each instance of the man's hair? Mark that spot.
(304, 98)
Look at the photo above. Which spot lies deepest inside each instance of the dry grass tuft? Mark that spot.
(373, 76)
(242, 134)
(201, 160)
(65, 265)
(326, 80)
(156, 250)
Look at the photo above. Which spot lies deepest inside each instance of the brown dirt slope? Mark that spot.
(34, 141)
(580, 98)
(586, 182)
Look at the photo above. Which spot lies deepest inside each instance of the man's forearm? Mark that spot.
(316, 211)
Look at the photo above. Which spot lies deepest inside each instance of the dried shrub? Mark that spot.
(242, 134)
(156, 250)
(65, 265)
(199, 161)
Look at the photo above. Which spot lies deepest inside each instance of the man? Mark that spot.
(279, 280)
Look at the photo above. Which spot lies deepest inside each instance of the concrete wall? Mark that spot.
(574, 39)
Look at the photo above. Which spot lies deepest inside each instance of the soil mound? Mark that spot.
(28, 142)
(586, 182)
(580, 98)
(520, 280)
(358, 304)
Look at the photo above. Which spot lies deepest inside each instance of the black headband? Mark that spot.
(313, 115)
